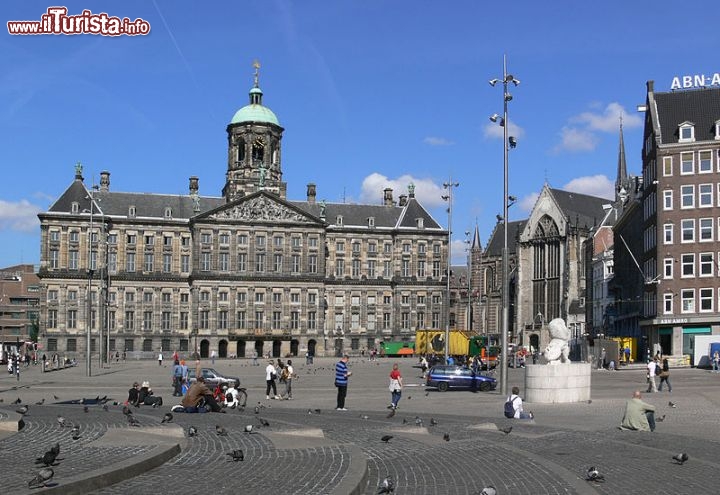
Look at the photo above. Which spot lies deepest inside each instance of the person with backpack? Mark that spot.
(514, 406)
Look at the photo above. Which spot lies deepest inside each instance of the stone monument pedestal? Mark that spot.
(557, 383)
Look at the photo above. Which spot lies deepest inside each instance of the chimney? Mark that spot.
(650, 86)
(403, 200)
(194, 186)
(388, 198)
(311, 192)
(105, 181)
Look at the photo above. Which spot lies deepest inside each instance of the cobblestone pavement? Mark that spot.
(332, 452)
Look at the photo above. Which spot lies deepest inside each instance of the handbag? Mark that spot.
(273, 376)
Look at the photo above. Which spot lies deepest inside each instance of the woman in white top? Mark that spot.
(270, 377)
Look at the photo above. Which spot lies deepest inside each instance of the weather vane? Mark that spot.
(256, 65)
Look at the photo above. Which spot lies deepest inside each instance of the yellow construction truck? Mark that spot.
(461, 344)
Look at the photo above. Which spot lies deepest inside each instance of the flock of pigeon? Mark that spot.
(50, 458)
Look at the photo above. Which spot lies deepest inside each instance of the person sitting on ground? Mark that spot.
(198, 395)
(517, 406)
(147, 397)
(231, 395)
(639, 415)
(134, 395)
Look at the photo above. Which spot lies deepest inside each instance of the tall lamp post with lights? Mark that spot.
(449, 185)
(468, 245)
(508, 142)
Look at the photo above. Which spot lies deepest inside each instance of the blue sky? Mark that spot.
(371, 94)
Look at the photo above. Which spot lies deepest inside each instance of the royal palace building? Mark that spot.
(247, 271)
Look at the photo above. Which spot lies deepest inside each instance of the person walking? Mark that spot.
(341, 381)
(665, 376)
(286, 377)
(601, 361)
(270, 377)
(716, 362)
(177, 379)
(639, 415)
(651, 373)
(212, 356)
(395, 387)
(160, 358)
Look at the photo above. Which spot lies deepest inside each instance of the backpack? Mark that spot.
(509, 409)
(658, 369)
(284, 374)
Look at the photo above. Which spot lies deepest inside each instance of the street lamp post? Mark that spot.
(508, 142)
(90, 272)
(469, 281)
(449, 198)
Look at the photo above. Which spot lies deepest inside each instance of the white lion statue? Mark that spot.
(557, 350)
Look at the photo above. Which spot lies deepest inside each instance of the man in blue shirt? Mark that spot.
(341, 381)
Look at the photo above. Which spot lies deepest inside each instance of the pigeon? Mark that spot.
(446, 437)
(594, 475)
(248, 428)
(418, 421)
(22, 410)
(257, 409)
(55, 448)
(409, 397)
(589, 401)
(317, 411)
(75, 432)
(263, 422)
(167, 418)
(40, 402)
(237, 455)
(86, 409)
(48, 458)
(427, 393)
(489, 490)
(133, 421)
(17, 401)
(56, 397)
(433, 422)
(364, 416)
(222, 432)
(660, 418)
(41, 478)
(405, 421)
(672, 404)
(386, 438)
(681, 458)
(192, 431)
(62, 421)
(105, 408)
(505, 429)
(386, 486)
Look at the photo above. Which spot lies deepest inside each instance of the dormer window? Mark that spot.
(339, 220)
(168, 213)
(371, 222)
(420, 223)
(686, 132)
(131, 212)
(717, 129)
(74, 207)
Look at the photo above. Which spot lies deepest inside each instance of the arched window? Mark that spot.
(546, 269)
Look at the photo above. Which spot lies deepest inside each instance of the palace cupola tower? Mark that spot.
(254, 151)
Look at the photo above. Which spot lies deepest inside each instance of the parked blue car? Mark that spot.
(445, 377)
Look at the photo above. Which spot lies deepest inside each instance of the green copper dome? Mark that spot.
(255, 111)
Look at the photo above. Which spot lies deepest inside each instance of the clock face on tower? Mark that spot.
(260, 142)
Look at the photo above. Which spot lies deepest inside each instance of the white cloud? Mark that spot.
(437, 141)
(609, 119)
(426, 190)
(20, 216)
(579, 134)
(459, 252)
(593, 185)
(493, 131)
(528, 202)
(575, 139)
